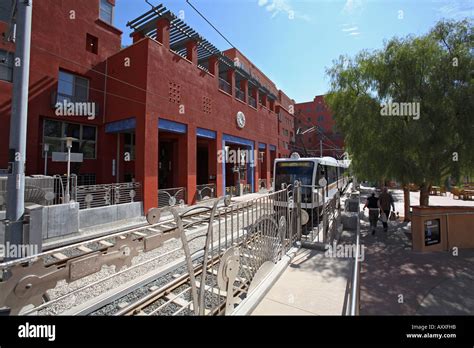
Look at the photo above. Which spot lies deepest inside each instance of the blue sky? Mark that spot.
(294, 41)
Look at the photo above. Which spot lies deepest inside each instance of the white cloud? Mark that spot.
(350, 29)
(276, 7)
(457, 10)
(352, 7)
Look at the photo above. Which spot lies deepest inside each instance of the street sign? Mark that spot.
(62, 157)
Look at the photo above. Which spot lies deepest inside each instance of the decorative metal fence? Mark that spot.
(60, 189)
(228, 249)
(94, 196)
(239, 240)
(171, 197)
(42, 190)
(204, 192)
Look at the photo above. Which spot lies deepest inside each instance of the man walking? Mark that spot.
(385, 201)
(372, 204)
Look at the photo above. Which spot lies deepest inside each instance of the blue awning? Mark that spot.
(171, 126)
(206, 133)
(122, 126)
(237, 140)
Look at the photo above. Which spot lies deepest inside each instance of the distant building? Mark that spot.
(286, 124)
(317, 113)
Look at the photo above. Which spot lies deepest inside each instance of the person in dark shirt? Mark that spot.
(372, 204)
(385, 202)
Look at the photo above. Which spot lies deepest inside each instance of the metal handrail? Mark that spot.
(354, 302)
(225, 86)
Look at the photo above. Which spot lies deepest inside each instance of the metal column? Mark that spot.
(18, 125)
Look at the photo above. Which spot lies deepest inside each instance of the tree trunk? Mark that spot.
(425, 195)
(406, 200)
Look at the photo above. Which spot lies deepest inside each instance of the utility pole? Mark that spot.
(18, 120)
(321, 147)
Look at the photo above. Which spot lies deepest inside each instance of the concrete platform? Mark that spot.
(313, 284)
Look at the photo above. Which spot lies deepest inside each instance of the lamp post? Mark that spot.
(69, 141)
(46, 149)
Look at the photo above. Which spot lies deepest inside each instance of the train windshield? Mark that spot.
(288, 172)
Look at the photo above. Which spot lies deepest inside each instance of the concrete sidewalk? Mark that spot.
(398, 281)
(312, 285)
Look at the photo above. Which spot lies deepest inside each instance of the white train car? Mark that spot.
(310, 172)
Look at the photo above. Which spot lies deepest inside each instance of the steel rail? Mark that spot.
(354, 302)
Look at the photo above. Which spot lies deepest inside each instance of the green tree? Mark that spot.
(434, 71)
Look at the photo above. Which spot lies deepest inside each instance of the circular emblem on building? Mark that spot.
(240, 119)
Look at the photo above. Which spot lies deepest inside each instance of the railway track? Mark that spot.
(174, 296)
(80, 260)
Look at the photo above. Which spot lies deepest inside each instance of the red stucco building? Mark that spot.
(317, 113)
(165, 108)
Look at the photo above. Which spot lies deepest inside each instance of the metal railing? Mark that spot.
(171, 197)
(94, 196)
(225, 86)
(252, 102)
(42, 190)
(355, 281)
(204, 192)
(237, 242)
(239, 94)
(228, 248)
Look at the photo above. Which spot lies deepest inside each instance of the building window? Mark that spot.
(106, 11)
(6, 66)
(54, 133)
(72, 88)
(129, 145)
(5, 10)
(321, 118)
(86, 179)
(92, 44)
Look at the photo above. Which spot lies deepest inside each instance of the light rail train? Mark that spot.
(309, 172)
